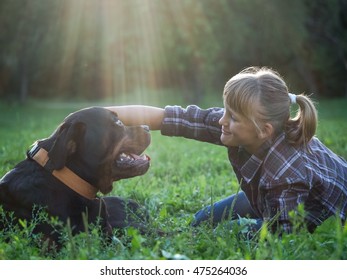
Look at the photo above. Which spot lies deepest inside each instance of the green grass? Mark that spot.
(185, 176)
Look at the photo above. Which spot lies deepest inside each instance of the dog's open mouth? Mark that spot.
(129, 158)
(130, 165)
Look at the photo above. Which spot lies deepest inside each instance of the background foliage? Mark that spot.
(107, 48)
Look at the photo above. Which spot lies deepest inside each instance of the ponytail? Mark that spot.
(300, 129)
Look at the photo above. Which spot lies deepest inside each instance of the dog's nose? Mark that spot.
(145, 127)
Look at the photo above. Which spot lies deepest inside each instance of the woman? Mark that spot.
(277, 159)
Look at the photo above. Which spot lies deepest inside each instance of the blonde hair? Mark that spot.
(261, 95)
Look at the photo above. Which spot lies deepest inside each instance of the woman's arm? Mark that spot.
(139, 115)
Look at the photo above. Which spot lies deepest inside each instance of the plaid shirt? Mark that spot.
(279, 176)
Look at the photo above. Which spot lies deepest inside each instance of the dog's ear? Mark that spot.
(65, 144)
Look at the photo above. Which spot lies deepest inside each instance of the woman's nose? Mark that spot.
(221, 121)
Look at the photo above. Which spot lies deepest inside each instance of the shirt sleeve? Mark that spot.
(193, 123)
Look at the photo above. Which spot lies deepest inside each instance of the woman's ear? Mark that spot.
(267, 131)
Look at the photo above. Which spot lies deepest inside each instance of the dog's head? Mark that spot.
(98, 147)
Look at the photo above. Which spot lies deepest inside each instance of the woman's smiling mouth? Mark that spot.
(226, 132)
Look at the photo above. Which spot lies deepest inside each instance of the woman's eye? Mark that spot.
(233, 117)
(230, 116)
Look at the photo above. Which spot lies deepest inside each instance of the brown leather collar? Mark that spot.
(65, 175)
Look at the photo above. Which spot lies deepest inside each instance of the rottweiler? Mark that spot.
(63, 174)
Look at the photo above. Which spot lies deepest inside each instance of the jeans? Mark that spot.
(231, 208)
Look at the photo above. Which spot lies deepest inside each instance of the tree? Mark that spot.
(327, 24)
(24, 28)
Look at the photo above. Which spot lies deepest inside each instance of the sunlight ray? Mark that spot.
(71, 25)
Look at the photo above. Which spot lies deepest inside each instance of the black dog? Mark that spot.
(63, 173)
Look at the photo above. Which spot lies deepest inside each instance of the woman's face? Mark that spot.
(239, 131)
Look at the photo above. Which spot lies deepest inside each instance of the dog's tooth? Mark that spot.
(145, 157)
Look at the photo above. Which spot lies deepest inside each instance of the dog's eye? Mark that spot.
(119, 122)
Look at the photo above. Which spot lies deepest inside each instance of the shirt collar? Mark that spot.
(251, 166)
